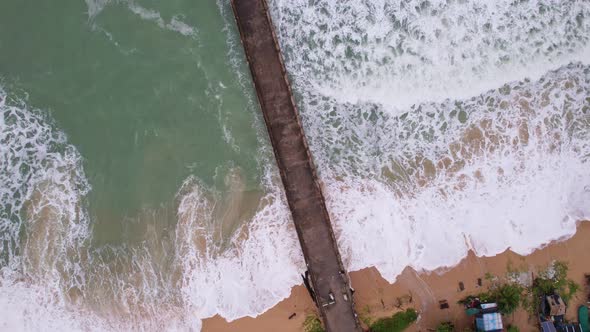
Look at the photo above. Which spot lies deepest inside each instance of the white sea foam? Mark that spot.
(27, 307)
(52, 278)
(176, 23)
(430, 230)
(42, 186)
(95, 7)
(37, 161)
(258, 269)
(413, 180)
(438, 126)
(49, 277)
(398, 53)
(443, 178)
(235, 54)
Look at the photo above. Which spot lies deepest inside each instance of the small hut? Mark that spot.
(552, 315)
(555, 306)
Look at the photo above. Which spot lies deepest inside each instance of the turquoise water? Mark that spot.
(133, 161)
(144, 104)
(138, 188)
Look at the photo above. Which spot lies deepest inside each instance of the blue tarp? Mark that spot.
(489, 322)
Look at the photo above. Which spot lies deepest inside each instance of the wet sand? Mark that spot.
(375, 297)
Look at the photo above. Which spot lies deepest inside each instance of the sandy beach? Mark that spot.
(375, 297)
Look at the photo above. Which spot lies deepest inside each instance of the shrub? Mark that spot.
(512, 328)
(507, 297)
(396, 323)
(551, 281)
(312, 324)
(445, 327)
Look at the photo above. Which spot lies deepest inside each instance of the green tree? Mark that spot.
(396, 323)
(508, 297)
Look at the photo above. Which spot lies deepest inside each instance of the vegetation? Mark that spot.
(507, 296)
(551, 281)
(445, 327)
(396, 323)
(365, 315)
(507, 292)
(555, 280)
(512, 328)
(312, 324)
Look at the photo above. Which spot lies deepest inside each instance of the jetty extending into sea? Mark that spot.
(328, 280)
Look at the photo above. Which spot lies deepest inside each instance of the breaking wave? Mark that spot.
(438, 127)
(217, 259)
(478, 174)
(398, 53)
(443, 126)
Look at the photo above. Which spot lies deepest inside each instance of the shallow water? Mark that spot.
(135, 170)
(138, 189)
(444, 124)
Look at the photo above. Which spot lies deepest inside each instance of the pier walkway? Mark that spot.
(327, 276)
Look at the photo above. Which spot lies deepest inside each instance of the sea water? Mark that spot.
(444, 126)
(138, 188)
(137, 185)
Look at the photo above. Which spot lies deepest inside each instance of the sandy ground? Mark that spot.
(375, 297)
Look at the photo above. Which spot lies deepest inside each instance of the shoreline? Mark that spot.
(375, 297)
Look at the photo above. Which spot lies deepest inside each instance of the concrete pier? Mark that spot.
(326, 273)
